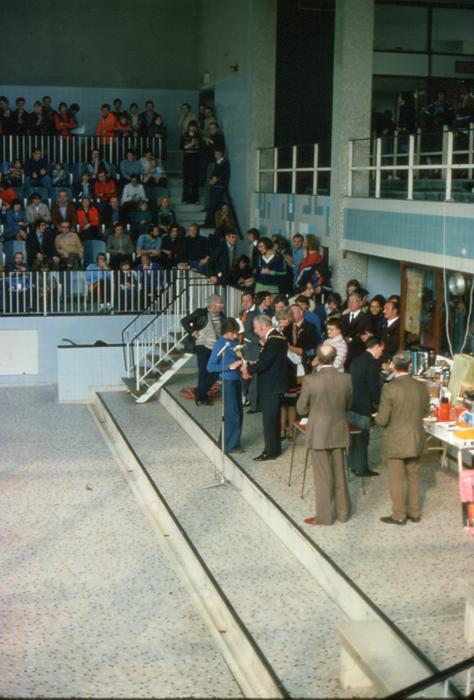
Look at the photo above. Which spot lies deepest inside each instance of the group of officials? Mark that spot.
(332, 398)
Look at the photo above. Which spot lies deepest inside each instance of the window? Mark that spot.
(400, 28)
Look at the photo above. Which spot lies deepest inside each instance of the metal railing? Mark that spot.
(436, 166)
(150, 341)
(78, 148)
(459, 675)
(82, 292)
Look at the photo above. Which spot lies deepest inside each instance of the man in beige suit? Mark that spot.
(327, 396)
(405, 402)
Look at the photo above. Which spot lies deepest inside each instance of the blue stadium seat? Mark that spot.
(42, 191)
(5, 165)
(77, 169)
(12, 247)
(91, 250)
(56, 190)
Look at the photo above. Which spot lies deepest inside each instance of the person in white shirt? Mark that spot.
(334, 338)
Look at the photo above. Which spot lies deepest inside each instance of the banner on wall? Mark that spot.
(414, 293)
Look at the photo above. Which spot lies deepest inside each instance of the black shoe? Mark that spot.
(204, 402)
(251, 411)
(264, 458)
(391, 521)
(369, 472)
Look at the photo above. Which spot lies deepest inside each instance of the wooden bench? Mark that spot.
(372, 655)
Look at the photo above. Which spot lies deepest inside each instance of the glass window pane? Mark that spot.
(453, 31)
(284, 183)
(400, 28)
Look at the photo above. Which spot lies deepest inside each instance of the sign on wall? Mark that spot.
(19, 352)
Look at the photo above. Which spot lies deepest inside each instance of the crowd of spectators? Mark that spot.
(439, 113)
(363, 334)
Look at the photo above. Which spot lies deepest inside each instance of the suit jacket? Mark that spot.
(352, 332)
(220, 265)
(222, 173)
(405, 402)
(366, 384)
(271, 366)
(57, 218)
(391, 339)
(327, 396)
(48, 247)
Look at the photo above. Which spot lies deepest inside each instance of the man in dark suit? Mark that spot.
(391, 328)
(356, 327)
(219, 183)
(404, 403)
(272, 371)
(223, 262)
(40, 248)
(366, 387)
(251, 350)
(327, 396)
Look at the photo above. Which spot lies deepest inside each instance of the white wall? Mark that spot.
(383, 276)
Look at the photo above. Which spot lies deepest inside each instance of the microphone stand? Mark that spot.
(219, 477)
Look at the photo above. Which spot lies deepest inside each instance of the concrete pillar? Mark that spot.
(262, 64)
(352, 96)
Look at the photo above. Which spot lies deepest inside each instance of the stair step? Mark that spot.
(275, 597)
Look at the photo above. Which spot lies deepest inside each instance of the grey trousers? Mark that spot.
(399, 472)
(330, 486)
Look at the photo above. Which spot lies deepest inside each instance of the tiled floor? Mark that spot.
(89, 604)
(289, 615)
(414, 573)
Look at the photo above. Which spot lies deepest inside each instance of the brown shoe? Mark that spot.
(311, 521)
(391, 521)
(414, 520)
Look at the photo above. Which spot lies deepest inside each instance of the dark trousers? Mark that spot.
(233, 415)
(216, 197)
(205, 379)
(358, 453)
(270, 404)
(191, 178)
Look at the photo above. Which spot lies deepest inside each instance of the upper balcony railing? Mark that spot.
(302, 169)
(431, 166)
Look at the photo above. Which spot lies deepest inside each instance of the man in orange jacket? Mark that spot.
(107, 123)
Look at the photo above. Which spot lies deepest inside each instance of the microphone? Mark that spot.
(223, 349)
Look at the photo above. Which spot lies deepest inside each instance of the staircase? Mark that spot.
(187, 213)
(154, 340)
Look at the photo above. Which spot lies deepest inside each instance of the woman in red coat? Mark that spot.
(88, 219)
(64, 121)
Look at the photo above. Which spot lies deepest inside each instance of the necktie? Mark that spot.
(351, 317)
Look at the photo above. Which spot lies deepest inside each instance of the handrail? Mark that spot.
(445, 674)
(77, 148)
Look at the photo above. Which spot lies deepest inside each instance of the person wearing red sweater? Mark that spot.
(88, 219)
(311, 260)
(64, 121)
(104, 188)
(107, 123)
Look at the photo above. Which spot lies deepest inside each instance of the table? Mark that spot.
(466, 481)
(300, 428)
(447, 437)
